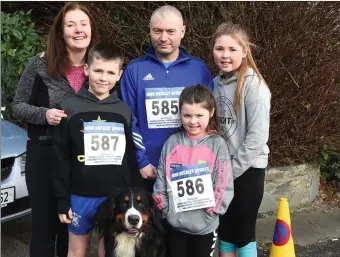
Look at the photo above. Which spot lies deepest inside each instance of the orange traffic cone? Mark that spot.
(283, 245)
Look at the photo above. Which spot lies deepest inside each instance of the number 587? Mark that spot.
(104, 143)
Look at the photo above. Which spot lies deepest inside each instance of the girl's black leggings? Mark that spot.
(237, 225)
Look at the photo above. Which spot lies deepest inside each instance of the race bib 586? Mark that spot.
(192, 187)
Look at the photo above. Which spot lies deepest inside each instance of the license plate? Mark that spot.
(7, 196)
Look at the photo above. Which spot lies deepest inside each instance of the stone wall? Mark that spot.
(298, 183)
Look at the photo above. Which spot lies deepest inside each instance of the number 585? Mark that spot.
(164, 108)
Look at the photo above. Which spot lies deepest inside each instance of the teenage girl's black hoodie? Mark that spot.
(70, 174)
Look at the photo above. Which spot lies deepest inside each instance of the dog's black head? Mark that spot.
(130, 210)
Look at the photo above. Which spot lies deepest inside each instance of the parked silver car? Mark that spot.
(14, 195)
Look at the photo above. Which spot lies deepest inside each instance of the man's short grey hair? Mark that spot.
(165, 10)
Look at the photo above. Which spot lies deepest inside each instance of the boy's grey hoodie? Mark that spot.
(247, 132)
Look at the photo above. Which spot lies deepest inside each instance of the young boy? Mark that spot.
(94, 149)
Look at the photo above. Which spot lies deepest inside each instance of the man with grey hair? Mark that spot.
(151, 86)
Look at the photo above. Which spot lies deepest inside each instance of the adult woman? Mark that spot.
(48, 79)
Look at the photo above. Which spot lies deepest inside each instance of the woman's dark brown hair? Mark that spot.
(56, 46)
(201, 94)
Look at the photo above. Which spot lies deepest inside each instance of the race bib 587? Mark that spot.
(162, 108)
(104, 143)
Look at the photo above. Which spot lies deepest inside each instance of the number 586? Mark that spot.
(189, 187)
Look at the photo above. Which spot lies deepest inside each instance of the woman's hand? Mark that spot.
(54, 116)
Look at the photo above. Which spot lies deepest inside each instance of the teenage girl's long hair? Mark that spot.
(239, 34)
(200, 94)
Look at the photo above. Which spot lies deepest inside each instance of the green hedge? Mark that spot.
(20, 40)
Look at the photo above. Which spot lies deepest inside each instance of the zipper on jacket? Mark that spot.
(174, 63)
(162, 64)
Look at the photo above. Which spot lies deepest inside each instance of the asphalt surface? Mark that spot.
(315, 231)
(327, 248)
(15, 236)
(330, 248)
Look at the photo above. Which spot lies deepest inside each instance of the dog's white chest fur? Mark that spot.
(126, 245)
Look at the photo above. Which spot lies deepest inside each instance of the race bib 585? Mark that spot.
(162, 107)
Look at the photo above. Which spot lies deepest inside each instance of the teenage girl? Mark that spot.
(243, 107)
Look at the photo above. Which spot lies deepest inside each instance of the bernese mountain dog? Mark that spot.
(131, 224)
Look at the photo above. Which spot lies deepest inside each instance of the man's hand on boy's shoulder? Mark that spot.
(148, 172)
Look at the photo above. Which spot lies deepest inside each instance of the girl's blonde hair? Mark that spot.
(240, 35)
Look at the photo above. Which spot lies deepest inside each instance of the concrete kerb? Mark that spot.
(298, 183)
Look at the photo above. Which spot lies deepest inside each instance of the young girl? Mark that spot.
(194, 184)
(243, 107)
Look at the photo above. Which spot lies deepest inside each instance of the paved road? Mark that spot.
(327, 248)
(15, 238)
(15, 241)
(310, 230)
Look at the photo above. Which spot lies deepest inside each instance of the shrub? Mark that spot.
(297, 53)
(20, 41)
(330, 164)
(9, 83)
